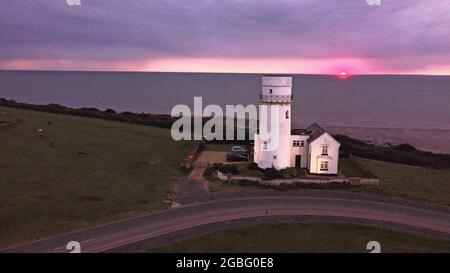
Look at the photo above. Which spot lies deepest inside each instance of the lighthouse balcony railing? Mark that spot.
(276, 98)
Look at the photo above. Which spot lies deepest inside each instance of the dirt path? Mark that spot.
(196, 186)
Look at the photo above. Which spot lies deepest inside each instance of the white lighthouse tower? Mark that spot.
(276, 94)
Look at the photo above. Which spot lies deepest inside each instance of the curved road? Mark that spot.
(115, 235)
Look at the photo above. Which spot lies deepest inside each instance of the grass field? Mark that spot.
(418, 183)
(347, 168)
(311, 237)
(59, 173)
(79, 171)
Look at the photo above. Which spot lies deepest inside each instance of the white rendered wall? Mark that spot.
(315, 150)
(279, 158)
(302, 151)
(256, 149)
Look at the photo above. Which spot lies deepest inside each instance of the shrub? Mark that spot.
(271, 173)
(229, 168)
(208, 172)
(288, 173)
(406, 147)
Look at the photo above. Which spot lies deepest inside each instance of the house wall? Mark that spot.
(256, 148)
(315, 154)
(302, 151)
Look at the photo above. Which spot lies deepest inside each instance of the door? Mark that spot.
(298, 160)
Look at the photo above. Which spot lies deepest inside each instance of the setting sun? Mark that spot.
(343, 75)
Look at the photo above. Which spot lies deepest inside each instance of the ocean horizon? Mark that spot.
(370, 101)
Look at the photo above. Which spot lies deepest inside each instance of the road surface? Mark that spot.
(116, 235)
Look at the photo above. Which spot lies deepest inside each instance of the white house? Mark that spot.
(311, 148)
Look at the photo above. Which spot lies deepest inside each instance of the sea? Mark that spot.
(364, 103)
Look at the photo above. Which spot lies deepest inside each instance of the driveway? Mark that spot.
(195, 186)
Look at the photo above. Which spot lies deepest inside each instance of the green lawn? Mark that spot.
(349, 169)
(79, 171)
(423, 184)
(311, 237)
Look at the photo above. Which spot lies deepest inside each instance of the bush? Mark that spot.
(228, 169)
(271, 173)
(201, 147)
(406, 147)
(288, 173)
(208, 172)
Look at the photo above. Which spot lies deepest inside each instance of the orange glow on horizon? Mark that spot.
(346, 66)
(343, 75)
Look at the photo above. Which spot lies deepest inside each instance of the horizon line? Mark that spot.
(221, 72)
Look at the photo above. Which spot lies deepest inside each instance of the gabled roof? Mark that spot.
(316, 131)
(300, 132)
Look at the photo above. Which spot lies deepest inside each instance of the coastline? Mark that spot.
(433, 140)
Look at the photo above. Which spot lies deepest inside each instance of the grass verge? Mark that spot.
(418, 183)
(60, 172)
(309, 237)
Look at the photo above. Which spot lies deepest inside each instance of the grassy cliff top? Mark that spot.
(61, 172)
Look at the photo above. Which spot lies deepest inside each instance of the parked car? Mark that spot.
(238, 149)
(235, 156)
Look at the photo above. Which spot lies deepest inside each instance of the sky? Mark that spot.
(245, 36)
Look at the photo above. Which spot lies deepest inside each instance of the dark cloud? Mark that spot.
(401, 34)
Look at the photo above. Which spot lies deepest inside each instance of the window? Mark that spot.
(325, 150)
(298, 143)
(324, 165)
(270, 91)
(287, 114)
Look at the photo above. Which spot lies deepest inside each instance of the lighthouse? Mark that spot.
(276, 97)
(277, 146)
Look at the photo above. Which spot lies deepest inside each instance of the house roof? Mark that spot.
(300, 132)
(313, 131)
(316, 131)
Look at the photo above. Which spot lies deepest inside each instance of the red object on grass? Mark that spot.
(190, 158)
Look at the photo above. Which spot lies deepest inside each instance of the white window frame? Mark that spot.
(296, 143)
(324, 165)
(324, 149)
